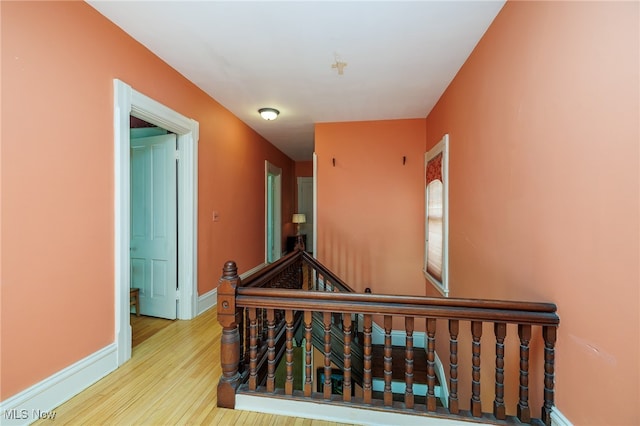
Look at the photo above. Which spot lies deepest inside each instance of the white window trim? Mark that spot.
(440, 147)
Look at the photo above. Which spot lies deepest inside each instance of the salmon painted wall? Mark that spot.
(544, 188)
(304, 168)
(59, 60)
(370, 206)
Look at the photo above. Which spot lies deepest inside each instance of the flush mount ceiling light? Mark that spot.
(269, 113)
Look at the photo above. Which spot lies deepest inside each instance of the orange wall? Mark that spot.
(59, 60)
(544, 187)
(304, 168)
(370, 205)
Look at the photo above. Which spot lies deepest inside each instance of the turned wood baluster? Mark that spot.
(308, 381)
(366, 351)
(230, 340)
(500, 330)
(253, 349)
(288, 384)
(408, 363)
(453, 366)
(476, 405)
(524, 412)
(388, 361)
(326, 319)
(431, 362)
(346, 384)
(549, 335)
(271, 351)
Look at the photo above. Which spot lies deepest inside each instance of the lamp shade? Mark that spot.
(299, 218)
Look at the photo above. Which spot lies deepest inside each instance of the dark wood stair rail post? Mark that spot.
(230, 341)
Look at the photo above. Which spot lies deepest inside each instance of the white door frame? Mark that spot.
(128, 101)
(277, 211)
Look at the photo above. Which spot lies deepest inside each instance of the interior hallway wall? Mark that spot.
(59, 60)
(544, 190)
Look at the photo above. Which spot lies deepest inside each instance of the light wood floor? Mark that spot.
(143, 327)
(171, 379)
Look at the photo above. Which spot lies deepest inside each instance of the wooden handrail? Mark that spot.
(461, 309)
(271, 271)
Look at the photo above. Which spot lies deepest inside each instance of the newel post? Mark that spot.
(230, 341)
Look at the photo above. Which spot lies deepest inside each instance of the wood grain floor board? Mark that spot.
(143, 327)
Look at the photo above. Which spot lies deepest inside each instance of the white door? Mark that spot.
(154, 224)
(305, 205)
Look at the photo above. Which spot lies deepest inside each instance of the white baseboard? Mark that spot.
(41, 399)
(558, 419)
(207, 301)
(210, 298)
(335, 413)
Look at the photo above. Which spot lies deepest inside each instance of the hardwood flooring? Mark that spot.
(143, 327)
(171, 379)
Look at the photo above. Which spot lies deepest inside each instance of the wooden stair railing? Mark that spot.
(320, 278)
(237, 303)
(284, 273)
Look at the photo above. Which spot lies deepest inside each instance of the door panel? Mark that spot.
(154, 224)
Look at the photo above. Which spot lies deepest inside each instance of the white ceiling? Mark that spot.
(400, 56)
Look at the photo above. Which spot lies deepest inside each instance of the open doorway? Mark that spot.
(128, 102)
(154, 235)
(153, 250)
